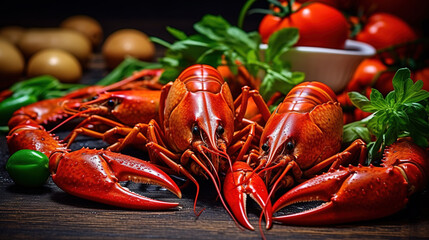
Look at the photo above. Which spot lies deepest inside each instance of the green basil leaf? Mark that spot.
(252, 56)
(212, 57)
(280, 42)
(414, 87)
(377, 99)
(180, 35)
(298, 77)
(391, 135)
(170, 61)
(391, 98)
(356, 130)
(399, 82)
(185, 44)
(160, 42)
(267, 87)
(375, 149)
(417, 96)
(239, 36)
(361, 102)
(255, 37)
(377, 123)
(277, 82)
(169, 74)
(213, 27)
(400, 118)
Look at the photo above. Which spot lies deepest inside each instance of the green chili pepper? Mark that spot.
(125, 69)
(13, 103)
(45, 81)
(28, 168)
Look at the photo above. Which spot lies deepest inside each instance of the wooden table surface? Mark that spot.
(50, 213)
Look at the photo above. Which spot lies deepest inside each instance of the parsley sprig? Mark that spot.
(403, 112)
(217, 40)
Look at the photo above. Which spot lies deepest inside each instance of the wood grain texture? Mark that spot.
(50, 213)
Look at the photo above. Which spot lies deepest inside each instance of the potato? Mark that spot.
(57, 63)
(127, 42)
(12, 33)
(74, 42)
(86, 25)
(12, 63)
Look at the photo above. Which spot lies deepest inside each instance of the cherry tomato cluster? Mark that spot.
(398, 45)
(394, 28)
(319, 25)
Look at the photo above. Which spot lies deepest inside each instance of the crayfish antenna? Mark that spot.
(131, 78)
(225, 154)
(78, 114)
(273, 189)
(196, 199)
(217, 188)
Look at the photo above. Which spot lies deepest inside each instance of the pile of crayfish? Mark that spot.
(193, 127)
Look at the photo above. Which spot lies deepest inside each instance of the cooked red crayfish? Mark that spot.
(191, 139)
(93, 174)
(192, 143)
(201, 132)
(51, 111)
(70, 168)
(301, 138)
(362, 192)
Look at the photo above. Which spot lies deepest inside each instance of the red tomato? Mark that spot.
(364, 74)
(384, 30)
(414, 12)
(423, 74)
(319, 26)
(270, 23)
(384, 81)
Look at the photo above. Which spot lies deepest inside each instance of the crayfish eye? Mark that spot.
(111, 103)
(290, 146)
(195, 130)
(220, 130)
(265, 147)
(94, 97)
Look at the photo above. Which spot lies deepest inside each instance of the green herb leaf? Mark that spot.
(180, 35)
(361, 102)
(403, 112)
(280, 42)
(219, 43)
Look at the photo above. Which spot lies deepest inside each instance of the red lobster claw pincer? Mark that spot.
(239, 183)
(95, 175)
(348, 194)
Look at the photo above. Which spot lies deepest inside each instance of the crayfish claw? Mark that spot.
(96, 175)
(239, 183)
(347, 195)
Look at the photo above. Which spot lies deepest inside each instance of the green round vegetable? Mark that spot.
(11, 104)
(28, 168)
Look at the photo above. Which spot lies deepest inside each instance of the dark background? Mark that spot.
(151, 17)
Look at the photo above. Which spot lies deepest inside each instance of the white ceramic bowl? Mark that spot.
(334, 67)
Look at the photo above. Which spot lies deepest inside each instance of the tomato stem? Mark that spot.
(413, 58)
(283, 11)
(243, 12)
